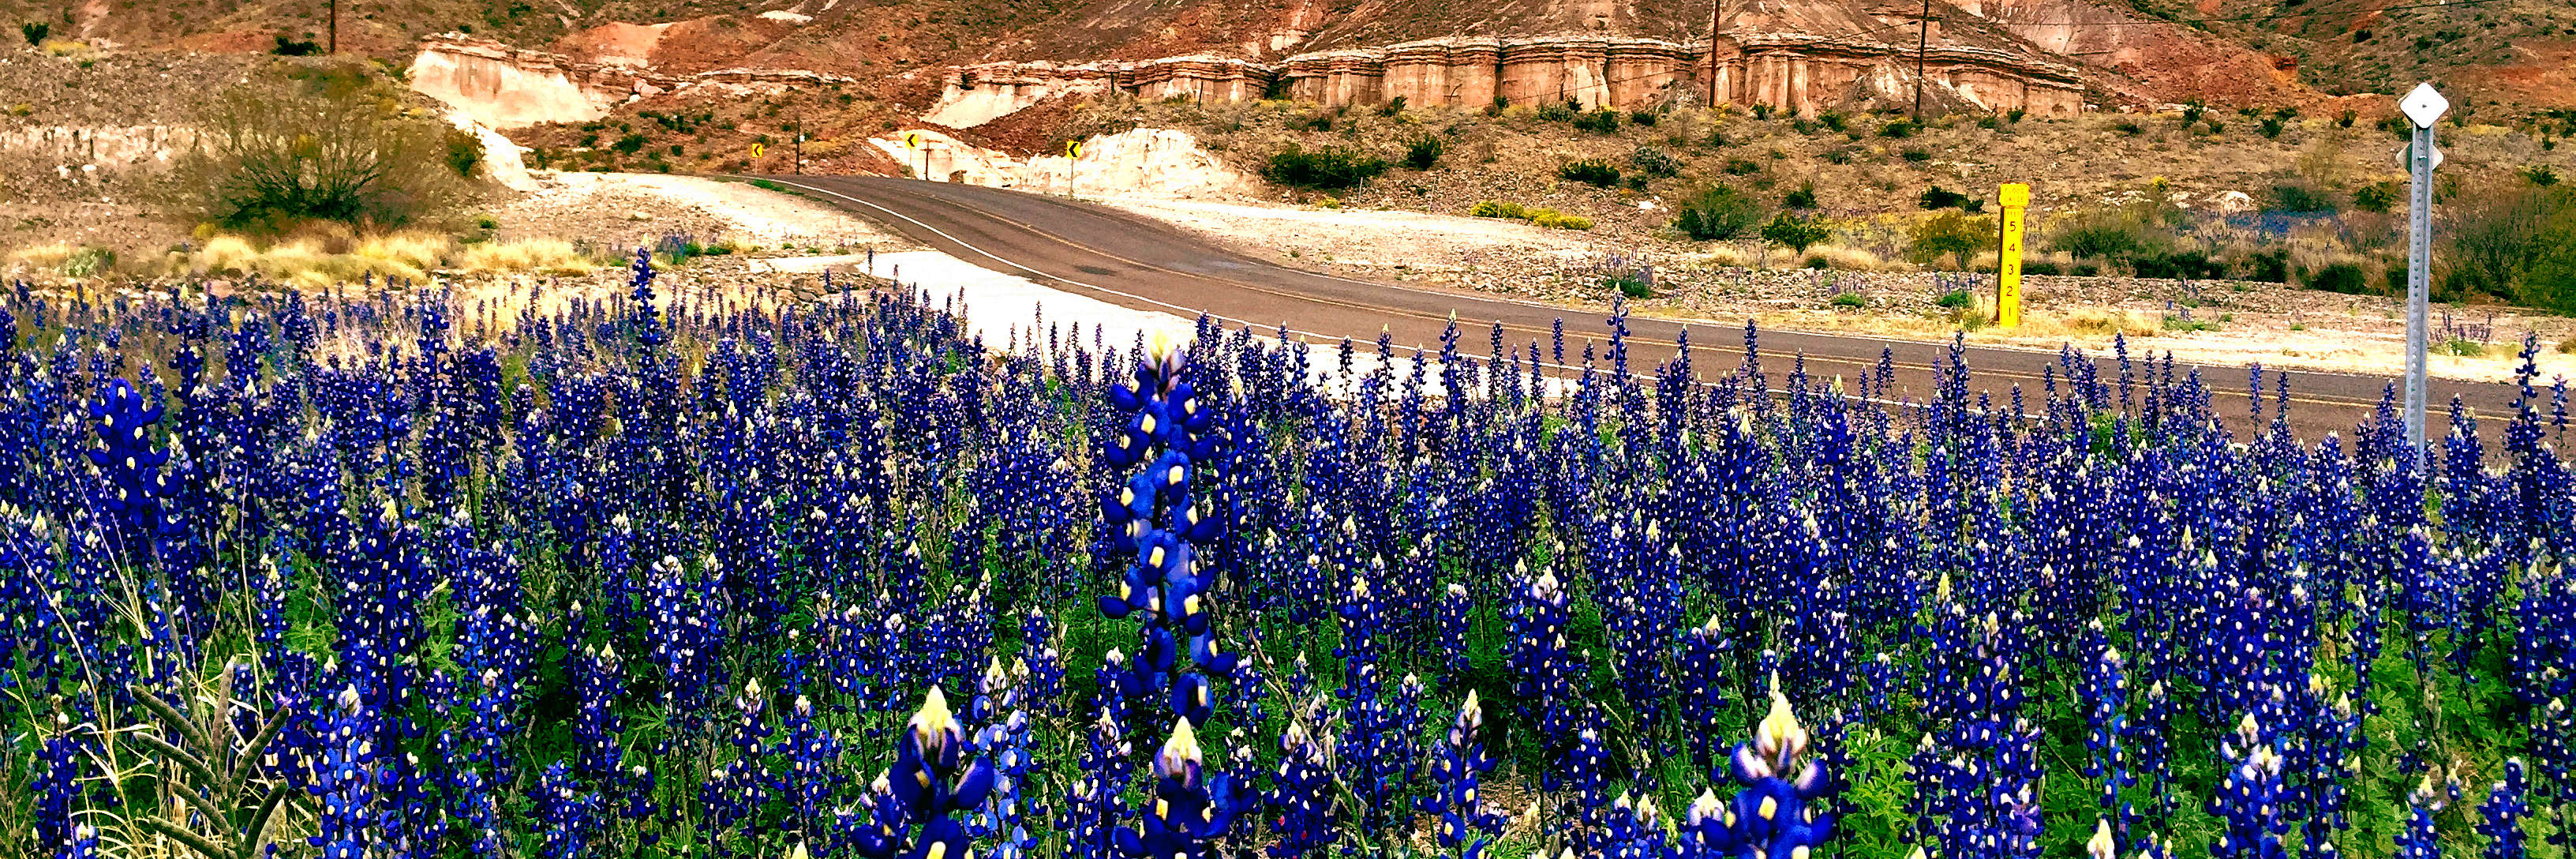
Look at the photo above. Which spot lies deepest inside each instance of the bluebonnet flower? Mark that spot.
(1005, 737)
(2501, 819)
(932, 781)
(2249, 800)
(2421, 839)
(1300, 800)
(1091, 809)
(1188, 808)
(1152, 517)
(1466, 823)
(1779, 809)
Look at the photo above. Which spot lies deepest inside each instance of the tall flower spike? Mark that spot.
(1771, 815)
(932, 782)
(1189, 808)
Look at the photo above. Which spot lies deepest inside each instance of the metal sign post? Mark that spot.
(913, 140)
(2014, 196)
(1072, 153)
(2423, 107)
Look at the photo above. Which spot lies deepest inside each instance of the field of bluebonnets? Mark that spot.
(394, 575)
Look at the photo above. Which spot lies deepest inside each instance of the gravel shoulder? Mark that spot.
(2205, 322)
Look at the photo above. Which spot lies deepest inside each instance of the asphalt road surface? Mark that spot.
(1136, 262)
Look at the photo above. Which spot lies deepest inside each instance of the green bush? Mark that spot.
(2300, 198)
(2041, 267)
(1494, 209)
(1849, 299)
(1717, 211)
(1937, 197)
(319, 143)
(1392, 106)
(1423, 151)
(35, 31)
(1590, 171)
(2268, 266)
(1803, 198)
(1741, 167)
(1916, 154)
(1794, 232)
(1558, 111)
(1601, 121)
(1555, 220)
(1327, 168)
(2378, 196)
(1951, 234)
(1899, 129)
(1654, 161)
(2344, 277)
(1642, 117)
(2102, 236)
(1956, 300)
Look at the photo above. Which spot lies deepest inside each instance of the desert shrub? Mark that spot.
(35, 31)
(2300, 198)
(1899, 129)
(1794, 232)
(1916, 154)
(1392, 106)
(2269, 265)
(1590, 171)
(2344, 276)
(287, 47)
(332, 145)
(1834, 120)
(2270, 127)
(1642, 117)
(1654, 161)
(2041, 267)
(1957, 299)
(1937, 197)
(1326, 168)
(1321, 120)
(1846, 299)
(1951, 234)
(1423, 151)
(1717, 211)
(2540, 174)
(2109, 235)
(1555, 220)
(2378, 196)
(2014, 115)
(2192, 111)
(1803, 198)
(1537, 215)
(1558, 111)
(1741, 167)
(2129, 127)
(1838, 156)
(1601, 121)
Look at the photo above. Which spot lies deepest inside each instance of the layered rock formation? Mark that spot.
(1156, 161)
(504, 87)
(1789, 57)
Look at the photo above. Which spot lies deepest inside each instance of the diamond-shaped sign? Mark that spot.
(2424, 105)
(2406, 157)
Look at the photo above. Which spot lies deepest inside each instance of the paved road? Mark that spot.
(1137, 262)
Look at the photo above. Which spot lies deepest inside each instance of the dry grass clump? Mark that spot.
(320, 258)
(1847, 258)
(548, 256)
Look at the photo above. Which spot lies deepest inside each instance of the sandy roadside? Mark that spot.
(621, 209)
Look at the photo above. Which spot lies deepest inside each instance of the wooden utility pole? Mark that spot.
(335, 26)
(1922, 42)
(1716, 16)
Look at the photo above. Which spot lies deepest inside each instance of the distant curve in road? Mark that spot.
(1136, 262)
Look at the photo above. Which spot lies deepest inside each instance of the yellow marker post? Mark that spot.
(756, 149)
(2015, 196)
